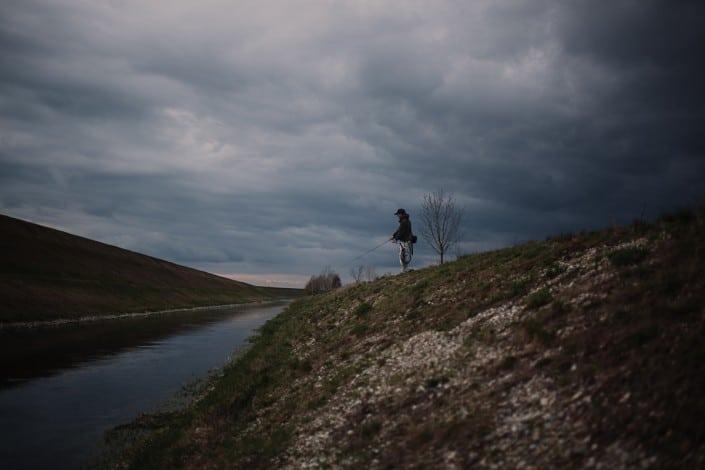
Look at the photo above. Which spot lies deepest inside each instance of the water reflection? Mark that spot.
(64, 387)
(28, 353)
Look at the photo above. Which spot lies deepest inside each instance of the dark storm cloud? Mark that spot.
(272, 138)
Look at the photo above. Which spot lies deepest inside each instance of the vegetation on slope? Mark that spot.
(47, 274)
(581, 350)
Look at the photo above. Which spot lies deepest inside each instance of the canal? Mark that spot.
(62, 388)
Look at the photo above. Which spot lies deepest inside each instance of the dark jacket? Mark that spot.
(403, 233)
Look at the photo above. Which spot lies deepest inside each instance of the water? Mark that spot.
(62, 388)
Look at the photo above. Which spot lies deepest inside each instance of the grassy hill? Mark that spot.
(582, 350)
(47, 274)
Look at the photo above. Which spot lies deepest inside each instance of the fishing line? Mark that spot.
(370, 251)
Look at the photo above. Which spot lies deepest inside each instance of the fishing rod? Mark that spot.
(370, 251)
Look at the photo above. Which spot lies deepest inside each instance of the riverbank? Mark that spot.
(582, 350)
(119, 441)
(120, 316)
(47, 275)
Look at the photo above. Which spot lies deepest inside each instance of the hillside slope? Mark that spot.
(584, 350)
(47, 274)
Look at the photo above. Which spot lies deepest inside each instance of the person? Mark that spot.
(404, 237)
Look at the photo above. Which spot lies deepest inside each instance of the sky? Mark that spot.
(265, 140)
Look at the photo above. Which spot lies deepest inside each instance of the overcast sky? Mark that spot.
(264, 139)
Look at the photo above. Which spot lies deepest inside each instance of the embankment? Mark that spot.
(48, 275)
(583, 350)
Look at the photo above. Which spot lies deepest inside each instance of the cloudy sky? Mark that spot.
(266, 139)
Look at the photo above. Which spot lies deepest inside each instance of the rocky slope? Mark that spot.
(583, 350)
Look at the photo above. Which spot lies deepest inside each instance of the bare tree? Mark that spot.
(370, 273)
(358, 273)
(440, 217)
(363, 273)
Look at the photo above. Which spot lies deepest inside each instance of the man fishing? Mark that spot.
(405, 238)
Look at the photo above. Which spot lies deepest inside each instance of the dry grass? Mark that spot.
(582, 350)
(46, 274)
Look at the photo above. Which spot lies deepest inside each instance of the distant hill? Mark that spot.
(48, 274)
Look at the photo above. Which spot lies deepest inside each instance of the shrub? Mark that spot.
(555, 270)
(359, 329)
(327, 281)
(559, 306)
(539, 298)
(519, 288)
(535, 330)
(627, 256)
(362, 309)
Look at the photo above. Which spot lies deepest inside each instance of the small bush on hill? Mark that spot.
(327, 281)
(536, 330)
(627, 256)
(539, 298)
(362, 309)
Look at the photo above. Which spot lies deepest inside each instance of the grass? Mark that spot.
(519, 288)
(362, 309)
(360, 329)
(247, 383)
(537, 330)
(555, 270)
(641, 332)
(628, 256)
(47, 274)
(539, 298)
